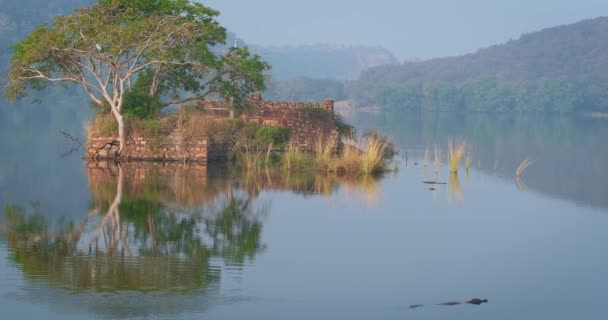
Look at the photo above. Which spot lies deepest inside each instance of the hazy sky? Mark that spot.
(409, 28)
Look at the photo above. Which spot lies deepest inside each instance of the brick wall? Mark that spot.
(309, 123)
(149, 149)
(178, 183)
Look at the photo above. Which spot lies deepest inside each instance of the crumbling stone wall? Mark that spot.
(148, 149)
(309, 123)
(178, 183)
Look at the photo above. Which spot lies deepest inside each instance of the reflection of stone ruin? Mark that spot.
(186, 185)
(309, 122)
(156, 226)
(150, 228)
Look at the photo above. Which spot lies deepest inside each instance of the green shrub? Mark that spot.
(272, 135)
(318, 113)
(139, 105)
(345, 129)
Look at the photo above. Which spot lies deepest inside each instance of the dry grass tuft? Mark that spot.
(468, 160)
(323, 151)
(372, 158)
(437, 161)
(455, 154)
(193, 123)
(101, 125)
(427, 157)
(294, 159)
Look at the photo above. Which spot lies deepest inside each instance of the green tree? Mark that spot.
(105, 48)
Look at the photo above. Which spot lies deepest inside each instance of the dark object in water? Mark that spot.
(432, 189)
(477, 301)
(433, 182)
(449, 303)
(415, 306)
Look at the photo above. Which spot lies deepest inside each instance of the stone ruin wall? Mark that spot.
(307, 127)
(146, 149)
(172, 182)
(189, 184)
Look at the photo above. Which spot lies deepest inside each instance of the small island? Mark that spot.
(165, 86)
(206, 131)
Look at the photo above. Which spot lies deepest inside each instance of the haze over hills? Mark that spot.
(341, 62)
(558, 69)
(561, 69)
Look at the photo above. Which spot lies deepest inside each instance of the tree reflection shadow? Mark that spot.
(156, 227)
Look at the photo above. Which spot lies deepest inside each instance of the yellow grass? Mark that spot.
(323, 151)
(427, 157)
(101, 125)
(455, 154)
(294, 159)
(364, 155)
(468, 160)
(372, 159)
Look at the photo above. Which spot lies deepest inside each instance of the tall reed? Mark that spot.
(468, 160)
(427, 156)
(294, 159)
(250, 157)
(523, 166)
(323, 151)
(372, 159)
(455, 153)
(437, 161)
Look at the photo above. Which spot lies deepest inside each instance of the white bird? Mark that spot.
(98, 47)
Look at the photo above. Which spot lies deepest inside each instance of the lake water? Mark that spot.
(135, 241)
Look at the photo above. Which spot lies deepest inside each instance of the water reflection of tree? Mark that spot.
(133, 242)
(155, 227)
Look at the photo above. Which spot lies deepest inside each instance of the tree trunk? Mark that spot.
(122, 137)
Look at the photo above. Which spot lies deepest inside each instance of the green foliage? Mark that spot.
(560, 69)
(243, 74)
(344, 129)
(168, 47)
(23, 221)
(272, 135)
(318, 113)
(490, 95)
(296, 160)
(141, 105)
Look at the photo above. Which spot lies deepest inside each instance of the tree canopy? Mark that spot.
(169, 50)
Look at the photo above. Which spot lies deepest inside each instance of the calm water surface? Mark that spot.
(96, 241)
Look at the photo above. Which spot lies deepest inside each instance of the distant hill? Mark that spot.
(339, 62)
(19, 17)
(561, 69)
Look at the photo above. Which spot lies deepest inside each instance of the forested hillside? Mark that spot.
(560, 69)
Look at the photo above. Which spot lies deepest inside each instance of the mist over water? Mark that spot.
(108, 240)
(215, 243)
